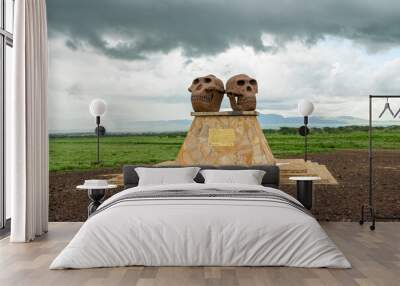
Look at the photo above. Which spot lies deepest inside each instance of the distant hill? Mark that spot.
(275, 121)
(267, 121)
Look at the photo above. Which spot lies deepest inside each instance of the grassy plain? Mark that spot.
(79, 152)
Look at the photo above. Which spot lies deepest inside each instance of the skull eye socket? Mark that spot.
(253, 82)
(207, 80)
(196, 81)
(240, 82)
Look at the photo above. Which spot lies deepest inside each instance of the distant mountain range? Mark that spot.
(267, 121)
(274, 121)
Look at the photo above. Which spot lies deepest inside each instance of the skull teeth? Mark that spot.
(203, 97)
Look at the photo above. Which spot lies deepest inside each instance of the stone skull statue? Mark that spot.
(207, 93)
(241, 90)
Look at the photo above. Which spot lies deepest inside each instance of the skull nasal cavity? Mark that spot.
(199, 87)
(248, 88)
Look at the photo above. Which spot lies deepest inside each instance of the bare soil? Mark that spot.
(331, 202)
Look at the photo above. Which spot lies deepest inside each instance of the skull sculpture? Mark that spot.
(207, 93)
(241, 90)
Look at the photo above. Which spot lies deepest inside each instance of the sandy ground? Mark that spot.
(331, 203)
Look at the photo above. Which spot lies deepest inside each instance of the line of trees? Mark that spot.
(282, 130)
(341, 129)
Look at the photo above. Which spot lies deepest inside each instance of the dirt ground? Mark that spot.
(333, 203)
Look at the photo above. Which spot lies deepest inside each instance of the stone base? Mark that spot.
(225, 138)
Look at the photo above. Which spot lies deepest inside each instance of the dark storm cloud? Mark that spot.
(210, 27)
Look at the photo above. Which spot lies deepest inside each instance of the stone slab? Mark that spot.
(298, 167)
(226, 113)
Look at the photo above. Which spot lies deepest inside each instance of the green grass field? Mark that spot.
(79, 153)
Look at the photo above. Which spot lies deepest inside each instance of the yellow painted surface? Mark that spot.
(223, 137)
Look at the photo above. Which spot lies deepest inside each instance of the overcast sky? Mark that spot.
(141, 56)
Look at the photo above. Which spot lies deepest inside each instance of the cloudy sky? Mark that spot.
(141, 56)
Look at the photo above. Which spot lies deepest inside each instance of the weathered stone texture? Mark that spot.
(248, 146)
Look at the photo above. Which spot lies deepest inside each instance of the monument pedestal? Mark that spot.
(225, 138)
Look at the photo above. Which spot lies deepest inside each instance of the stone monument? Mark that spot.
(229, 137)
(225, 138)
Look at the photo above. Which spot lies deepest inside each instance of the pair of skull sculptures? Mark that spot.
(208, 92)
